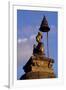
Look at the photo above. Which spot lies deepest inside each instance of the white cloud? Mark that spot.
(22, 40)
(33, 36)
(24, 50)
(19, 40)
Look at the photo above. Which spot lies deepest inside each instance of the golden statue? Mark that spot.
(39, 37)
(39, 49)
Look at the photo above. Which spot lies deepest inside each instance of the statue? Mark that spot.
(39, 49)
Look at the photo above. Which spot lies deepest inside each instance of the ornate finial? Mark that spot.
(39, 49)
(44, 25)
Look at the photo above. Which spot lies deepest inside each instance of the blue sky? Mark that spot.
(28, 23)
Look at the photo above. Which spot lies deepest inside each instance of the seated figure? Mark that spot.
(39, 49)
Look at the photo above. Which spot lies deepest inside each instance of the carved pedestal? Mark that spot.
(38, 67)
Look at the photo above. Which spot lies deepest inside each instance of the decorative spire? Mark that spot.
(44, 25)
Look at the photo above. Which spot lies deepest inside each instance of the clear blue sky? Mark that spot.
(28, 23)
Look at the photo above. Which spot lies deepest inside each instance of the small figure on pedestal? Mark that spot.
(39, 49)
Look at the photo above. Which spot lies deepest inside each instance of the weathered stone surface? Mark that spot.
(42, 69)
(38, 67)
(38, 61)
(37, 75)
